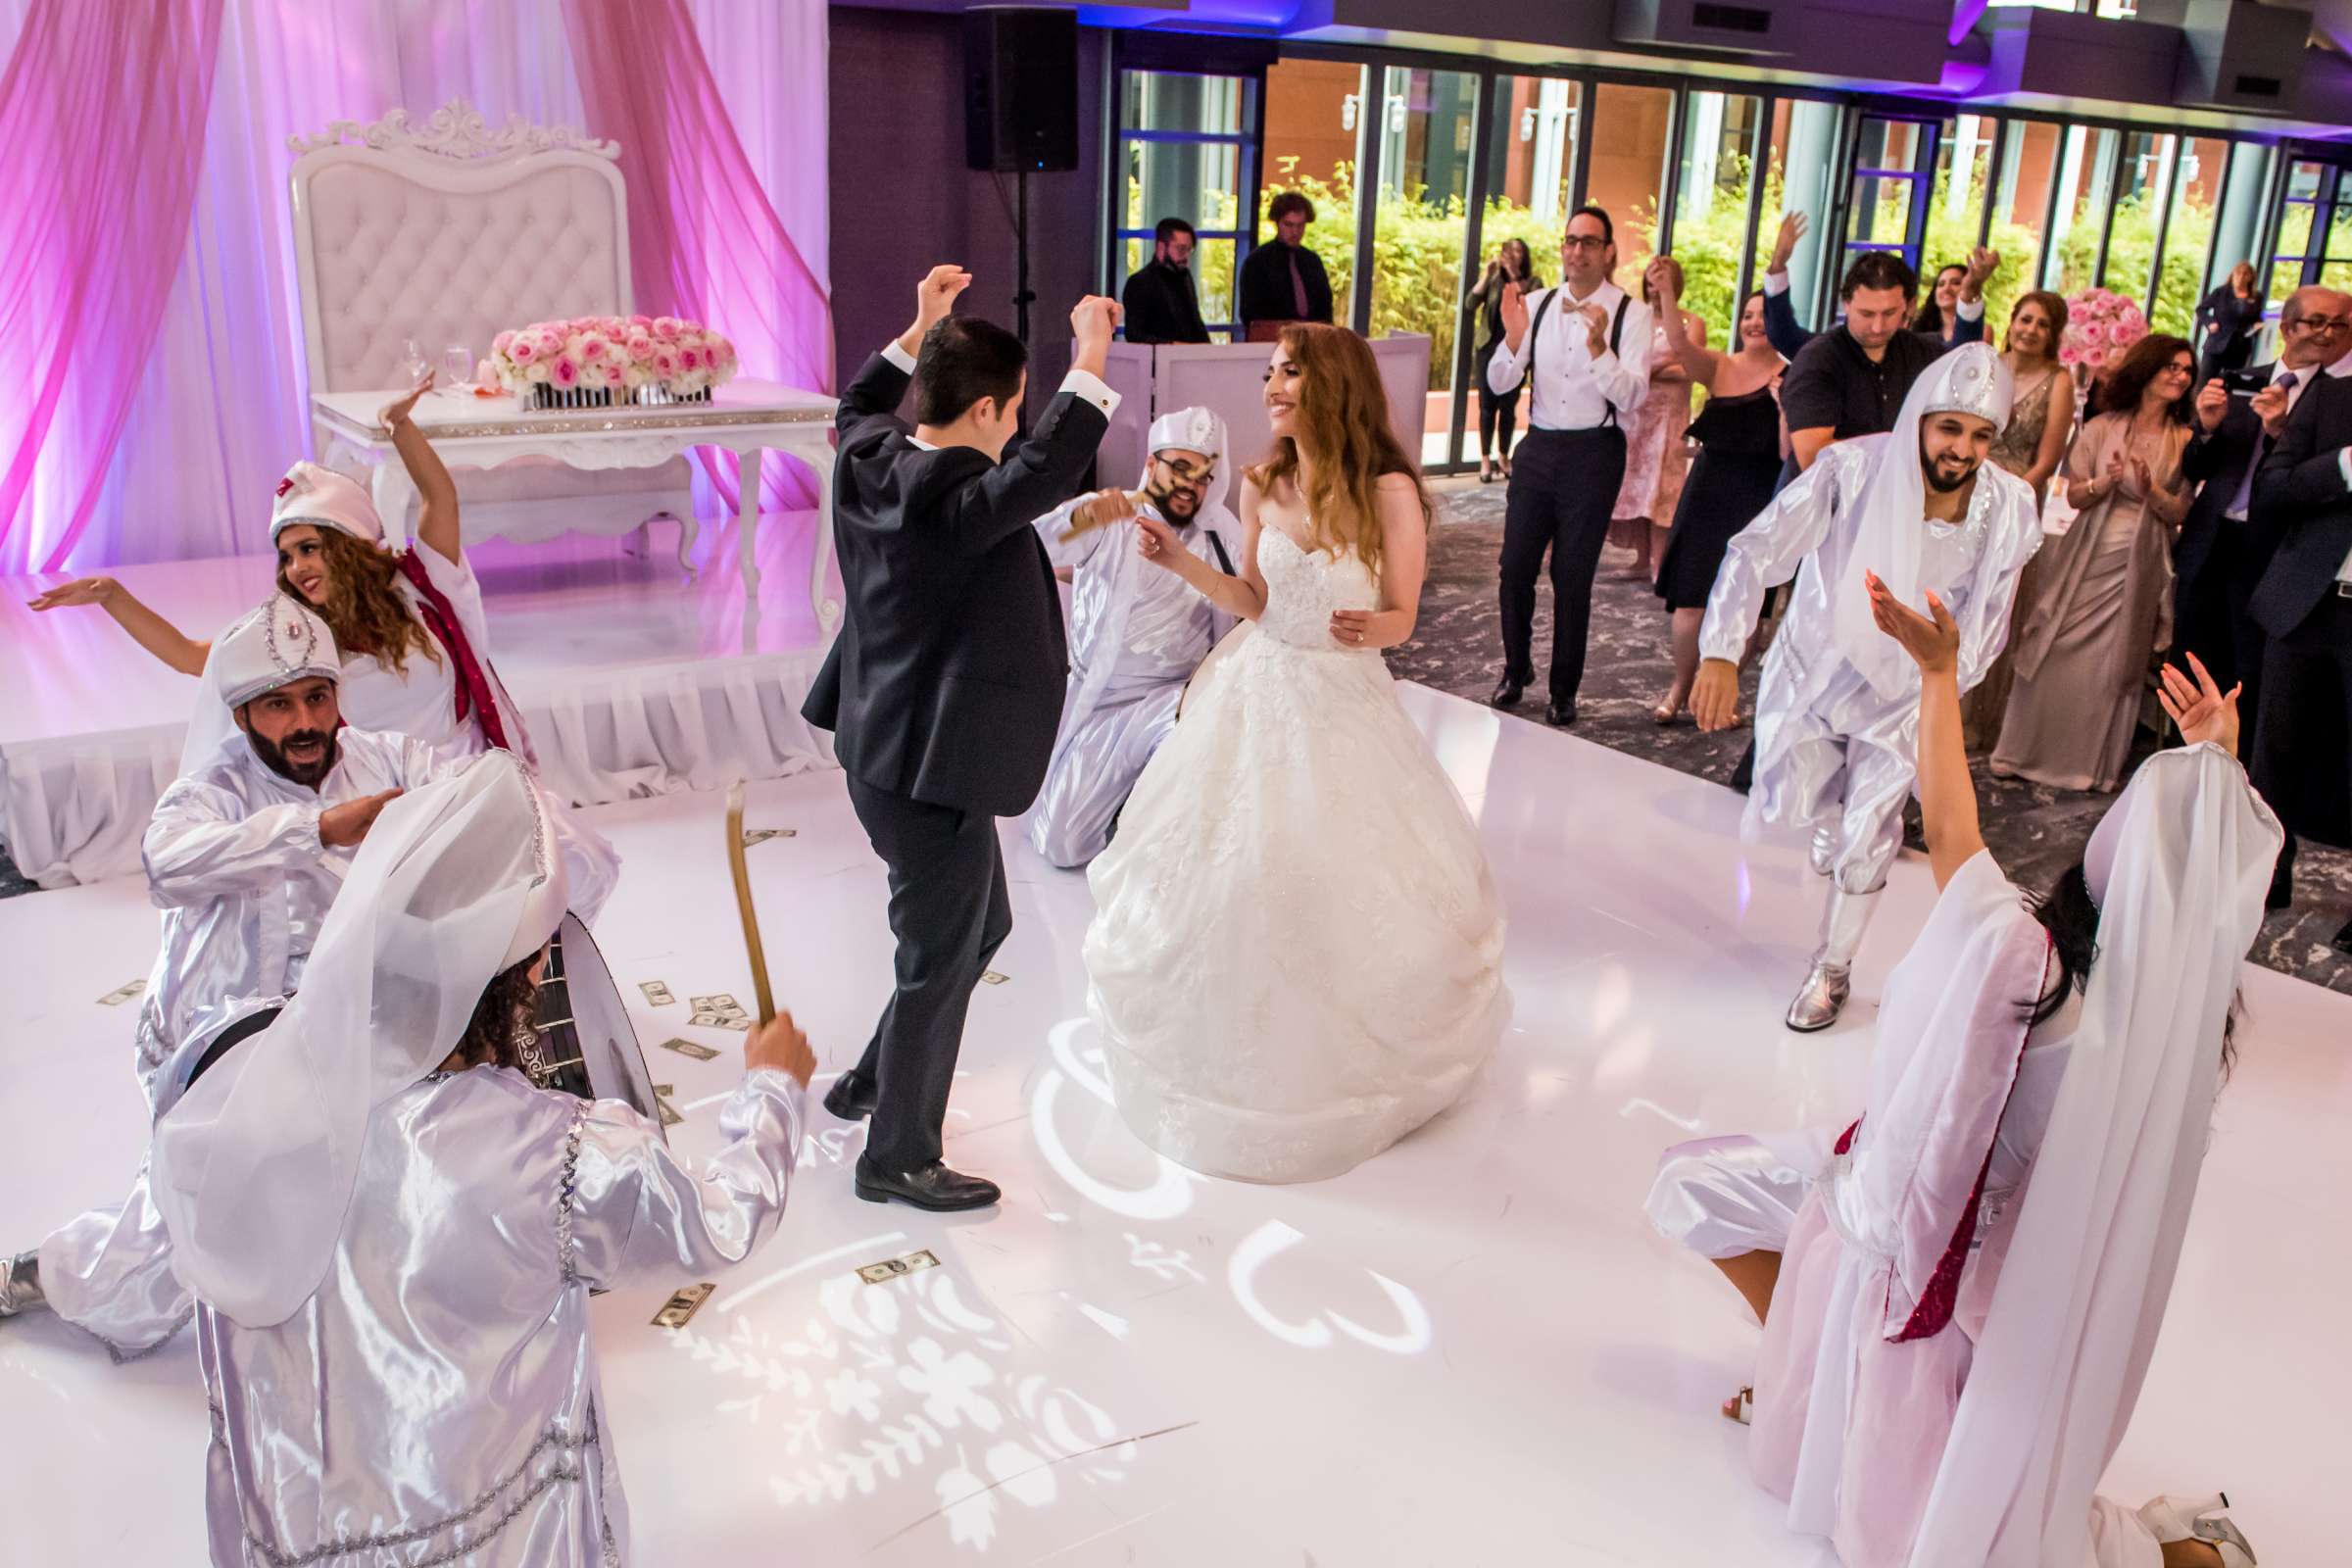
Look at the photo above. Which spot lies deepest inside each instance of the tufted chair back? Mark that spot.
(449, 232)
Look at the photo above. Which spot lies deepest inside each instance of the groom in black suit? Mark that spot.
(943, 689)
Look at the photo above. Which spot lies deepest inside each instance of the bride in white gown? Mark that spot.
(1296, 956)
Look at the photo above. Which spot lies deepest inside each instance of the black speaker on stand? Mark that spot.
(1020, 110)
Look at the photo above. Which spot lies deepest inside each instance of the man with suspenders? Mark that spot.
(1137, 633)
(1584, 347)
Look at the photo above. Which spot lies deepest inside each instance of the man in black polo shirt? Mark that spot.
(1850, 381)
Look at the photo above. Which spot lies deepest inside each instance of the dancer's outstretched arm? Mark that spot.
(1947, 796)
(148, 629)
(436, 491)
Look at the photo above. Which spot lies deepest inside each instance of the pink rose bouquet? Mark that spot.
(2100, 325)
(635, 357)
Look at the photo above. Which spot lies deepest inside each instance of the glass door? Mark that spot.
(1421, 229)
(1188, 150)
(1889, 177)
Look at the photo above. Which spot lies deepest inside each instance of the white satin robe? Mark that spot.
(234, 862)
(1833, 758)
(437, 1400)
(1137, 634)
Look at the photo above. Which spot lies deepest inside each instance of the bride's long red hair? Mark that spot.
(1343, 425)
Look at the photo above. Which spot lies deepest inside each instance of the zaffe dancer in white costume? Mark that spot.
(1960, 1295)
(393, 1279)
(409, 623)
(1296, 956)
(1137, 634)
(246, 851)
(1837, 709)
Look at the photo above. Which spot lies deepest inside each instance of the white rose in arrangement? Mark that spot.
(538, 371)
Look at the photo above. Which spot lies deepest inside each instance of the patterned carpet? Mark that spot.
(2036, 832)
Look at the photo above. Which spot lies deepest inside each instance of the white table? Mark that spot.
(745, 416)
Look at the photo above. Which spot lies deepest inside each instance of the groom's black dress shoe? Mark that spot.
(932, 1187)
(1559, 715)
(853, 1095)
(1507, 692)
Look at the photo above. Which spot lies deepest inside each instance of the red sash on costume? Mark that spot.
(474, 690)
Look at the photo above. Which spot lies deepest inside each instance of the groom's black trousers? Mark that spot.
(950, 911)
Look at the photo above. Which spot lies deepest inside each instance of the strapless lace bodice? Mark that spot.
(1304, 586)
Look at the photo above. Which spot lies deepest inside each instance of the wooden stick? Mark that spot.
(1079, 529)
(742, 905)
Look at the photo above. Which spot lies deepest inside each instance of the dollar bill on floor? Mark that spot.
(657, 992)
(682, 1305)
(721, 1005)
(665, 1089)
(990, 977)
(121, 994)
(897, 1267)
(735, 1021)
(670, 1114)
(760, 834)
(691, 1048)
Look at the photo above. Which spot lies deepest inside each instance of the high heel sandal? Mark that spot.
(1744, 1403)
(2199, 1519)
(1668, 714)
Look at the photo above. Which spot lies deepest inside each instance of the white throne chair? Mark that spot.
(451, 232)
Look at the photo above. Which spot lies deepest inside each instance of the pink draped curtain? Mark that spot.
(102, 116)
(705, 241)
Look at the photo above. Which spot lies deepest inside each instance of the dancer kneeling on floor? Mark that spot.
(392, 1233)
(1961, 1295)
(1137, 634)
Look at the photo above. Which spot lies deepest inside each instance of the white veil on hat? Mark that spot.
(253, 1168)
(1892, 510)
(2178, 867)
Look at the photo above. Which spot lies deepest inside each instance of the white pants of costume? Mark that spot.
(1095, 772)
(109, 1272)
(1846, 792)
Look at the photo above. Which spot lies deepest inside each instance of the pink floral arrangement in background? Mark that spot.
(620, 354)
(2100, 325)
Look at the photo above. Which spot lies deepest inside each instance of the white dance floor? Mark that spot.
(634, 681)
(1471, 1350)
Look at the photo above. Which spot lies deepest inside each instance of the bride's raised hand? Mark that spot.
(1158, 543)
(2201, 710)
(1932, 640)
(80, 591)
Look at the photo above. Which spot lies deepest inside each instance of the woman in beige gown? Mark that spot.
(2031, 446)
(2105, 603)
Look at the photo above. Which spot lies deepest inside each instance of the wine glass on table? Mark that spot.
(457, 367)
(413, 362)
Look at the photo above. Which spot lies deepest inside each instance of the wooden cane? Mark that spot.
(1079, 529)
(742, 905)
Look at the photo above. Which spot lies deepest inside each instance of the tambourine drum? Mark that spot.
(1208, 667)
(585, 1044)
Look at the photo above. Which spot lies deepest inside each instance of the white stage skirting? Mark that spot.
(634, 682)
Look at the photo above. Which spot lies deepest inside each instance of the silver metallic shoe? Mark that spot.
(21, 1285)
(2185, 1519)
(1828, 983)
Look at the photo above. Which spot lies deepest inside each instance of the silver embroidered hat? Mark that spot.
(276, 645)
(1970, 380)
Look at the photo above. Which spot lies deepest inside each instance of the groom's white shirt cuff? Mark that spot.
(1082, 384)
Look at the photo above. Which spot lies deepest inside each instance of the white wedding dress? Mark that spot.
(1296, 956)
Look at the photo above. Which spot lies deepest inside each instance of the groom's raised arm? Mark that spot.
(881, 384)
(1047, 467)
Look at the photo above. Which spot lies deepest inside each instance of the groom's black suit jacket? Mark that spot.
(946, 682)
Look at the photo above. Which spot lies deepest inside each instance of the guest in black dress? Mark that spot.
(1738, 436)
(2228, 320)
(1512, 267)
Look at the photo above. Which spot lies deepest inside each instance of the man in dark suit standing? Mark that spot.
(943, 689)
(1283, 281)
(2303, 495)
(2220, 557)
(1159, 300)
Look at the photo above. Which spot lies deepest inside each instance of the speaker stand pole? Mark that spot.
(1022, 298)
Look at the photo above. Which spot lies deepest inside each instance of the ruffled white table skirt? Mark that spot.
(72, 810)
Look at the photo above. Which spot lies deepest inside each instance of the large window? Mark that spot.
(1422, 224)
(1188, 147)
(1314, 113)
(1714, 175)
(1630, 134)
(1704, 172)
